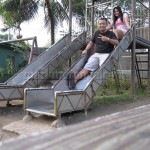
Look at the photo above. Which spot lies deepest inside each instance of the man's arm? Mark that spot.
(88, 47)
(112, 41)
(107, 39)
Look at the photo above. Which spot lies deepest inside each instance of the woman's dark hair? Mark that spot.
(120, 14)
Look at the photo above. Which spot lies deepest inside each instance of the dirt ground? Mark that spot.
(12, 126)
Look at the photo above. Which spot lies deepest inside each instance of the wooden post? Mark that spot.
(148, 87)
(16, 40)
(92, 18)
(148, 82)
(36, 44)
(86, 5)
(70, 28)
(32, 49)
(112, 2)
(133, 52)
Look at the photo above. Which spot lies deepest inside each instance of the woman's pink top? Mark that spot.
(121, 25)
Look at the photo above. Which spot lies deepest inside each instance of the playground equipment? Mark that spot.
(37, 72)
(59, 99)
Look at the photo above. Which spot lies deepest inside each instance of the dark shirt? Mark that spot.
(103, 46)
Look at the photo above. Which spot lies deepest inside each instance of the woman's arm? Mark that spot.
(110, 26)
(126, 22)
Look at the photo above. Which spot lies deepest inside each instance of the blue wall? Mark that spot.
(7, 51)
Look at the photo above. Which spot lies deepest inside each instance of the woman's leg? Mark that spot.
(119, 34)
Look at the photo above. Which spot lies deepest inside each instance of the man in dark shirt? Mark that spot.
(104, 41)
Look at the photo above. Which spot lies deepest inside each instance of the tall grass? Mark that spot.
(109, 93)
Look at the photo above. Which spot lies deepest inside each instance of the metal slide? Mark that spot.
(38, 71)
(59, 99)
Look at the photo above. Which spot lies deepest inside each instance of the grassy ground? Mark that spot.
(111, 94)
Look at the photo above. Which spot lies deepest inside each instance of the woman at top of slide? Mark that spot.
(120, 21)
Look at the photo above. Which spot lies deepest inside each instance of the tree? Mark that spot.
(4, 36)
(15, 12)
(78, 9)
(54, 13)
(78, 6)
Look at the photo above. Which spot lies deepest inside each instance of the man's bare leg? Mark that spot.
(81, 74)
(72, 80)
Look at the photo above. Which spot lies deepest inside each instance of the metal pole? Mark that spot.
(148, 82)
(112, 2)
(148, 87)
(70, 27)
(86, 4)
(36, 44)
(133, 52)
(70, 20)
(92, 18)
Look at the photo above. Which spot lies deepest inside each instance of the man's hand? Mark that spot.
(103, 38)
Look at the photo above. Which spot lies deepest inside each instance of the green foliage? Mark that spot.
(54, 13)
(78, 10)
(10, 70)
(4, 36)
(141, 91)
(1, 72)
(107, 94)
(24, 46)
(16, 48)
(78, 6)
(125, 84)
(23, 64)
(21, 46)
(125, 97)
(10, 67)
(14, 12)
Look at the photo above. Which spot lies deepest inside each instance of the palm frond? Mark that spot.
(15, 11)
(54, 13)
